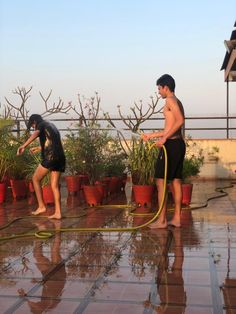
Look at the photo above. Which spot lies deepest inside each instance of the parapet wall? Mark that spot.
(222, 164)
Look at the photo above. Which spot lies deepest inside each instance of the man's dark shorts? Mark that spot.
(175, 149)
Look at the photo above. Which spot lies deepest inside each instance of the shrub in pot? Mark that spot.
(193, 162)
(142, 159)
(74, 165)
(5, 126)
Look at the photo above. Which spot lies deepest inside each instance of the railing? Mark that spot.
(212, 131)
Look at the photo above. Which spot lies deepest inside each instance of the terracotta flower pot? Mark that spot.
(31, 187)
(143, 194)
(19, 188)
(187, 189)
(3, 189)
(93, 195)
(84, 180)
(73, 184)
(48, 194)
(103, 188)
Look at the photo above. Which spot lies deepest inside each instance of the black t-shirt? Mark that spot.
(50, 141)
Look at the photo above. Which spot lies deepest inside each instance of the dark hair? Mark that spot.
(166, 80)
(34, 118)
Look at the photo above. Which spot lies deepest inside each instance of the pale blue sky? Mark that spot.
(117, 48)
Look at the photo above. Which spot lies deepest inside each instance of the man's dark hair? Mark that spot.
(166, 80)
(34, 118)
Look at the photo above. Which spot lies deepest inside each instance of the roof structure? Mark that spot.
(229, 63)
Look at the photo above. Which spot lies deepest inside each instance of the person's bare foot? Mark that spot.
(55, 216)
(174, 223)
(158, 225)
(38, 211)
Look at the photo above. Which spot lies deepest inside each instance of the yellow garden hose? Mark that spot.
(44, 234)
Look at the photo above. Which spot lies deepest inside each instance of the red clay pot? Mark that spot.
(93, 195)
(143, 194)
(31, 187)
(73, 184)
(48, 197)
(187, 189)
(3, 189)
(19, 188)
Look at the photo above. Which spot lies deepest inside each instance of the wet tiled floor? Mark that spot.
(186, 270)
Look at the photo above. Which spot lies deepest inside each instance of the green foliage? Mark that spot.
(74, 165)
(193, 160)
(114, 159)
(18, 164)
(5, 138)
(86, 149)
(192, 166)
(142, 160)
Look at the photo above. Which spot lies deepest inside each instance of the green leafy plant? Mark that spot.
(18, 164)
(114, 164)
(193, 161)
(92, 144)
(74, 165)
(5, 127)
(142, 161)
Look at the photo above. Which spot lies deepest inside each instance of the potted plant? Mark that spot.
(17, 167)
(17, 171)
(191, 167)
(74, 165)
(114, 167)
(5, 125)
(142, 159)
(92, 144)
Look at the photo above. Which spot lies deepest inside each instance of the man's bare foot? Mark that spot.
(174, 223)
(55, 216)
(38, 211)
(158, 225)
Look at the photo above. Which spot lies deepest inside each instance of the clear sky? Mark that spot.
(117, 48)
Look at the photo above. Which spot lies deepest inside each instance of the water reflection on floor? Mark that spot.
(186, 270)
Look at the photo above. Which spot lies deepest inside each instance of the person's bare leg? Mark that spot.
(55, 177)
(177, 188)
(55, 252)
(161, 222)
(39, 174)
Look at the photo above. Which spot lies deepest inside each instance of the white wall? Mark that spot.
(225, 166)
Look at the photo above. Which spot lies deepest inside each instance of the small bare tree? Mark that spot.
(21, 112)
(134, 120)
(18, 111)
(60, 107)
(87, 110)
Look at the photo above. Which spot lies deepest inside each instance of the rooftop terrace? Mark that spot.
(176, 270)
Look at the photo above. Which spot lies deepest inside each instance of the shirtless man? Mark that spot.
(53, 160)
(172, 138)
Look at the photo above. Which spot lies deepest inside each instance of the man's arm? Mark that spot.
(29, 141)
(148, 136)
